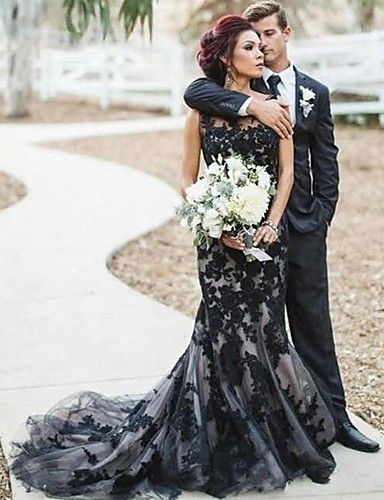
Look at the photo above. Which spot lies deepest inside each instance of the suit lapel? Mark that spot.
(300, 80)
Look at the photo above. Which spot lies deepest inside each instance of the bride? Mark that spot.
(238, 411)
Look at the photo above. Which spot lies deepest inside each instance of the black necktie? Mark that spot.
(273, 81)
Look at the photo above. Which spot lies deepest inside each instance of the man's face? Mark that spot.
(273, 39)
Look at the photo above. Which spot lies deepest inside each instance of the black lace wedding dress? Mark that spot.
(237, 412)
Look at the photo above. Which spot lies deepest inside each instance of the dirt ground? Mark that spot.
(167, 269)
(63, 109)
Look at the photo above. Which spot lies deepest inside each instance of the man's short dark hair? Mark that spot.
(265, 8)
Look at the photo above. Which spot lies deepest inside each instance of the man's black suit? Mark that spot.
(309, 212)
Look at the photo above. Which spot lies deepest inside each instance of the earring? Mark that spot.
(228, 78)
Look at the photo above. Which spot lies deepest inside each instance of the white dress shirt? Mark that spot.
(287, 89)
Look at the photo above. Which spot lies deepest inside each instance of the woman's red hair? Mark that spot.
(220, 41)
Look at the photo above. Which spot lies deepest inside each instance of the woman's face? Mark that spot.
(247, 59)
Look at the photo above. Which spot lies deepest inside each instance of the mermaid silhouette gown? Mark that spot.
(237, 412)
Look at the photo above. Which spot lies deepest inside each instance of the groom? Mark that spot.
(313, 199)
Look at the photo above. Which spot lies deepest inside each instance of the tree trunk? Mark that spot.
(20, 20)
(365, 12)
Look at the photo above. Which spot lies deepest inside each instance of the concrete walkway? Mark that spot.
(66, 323)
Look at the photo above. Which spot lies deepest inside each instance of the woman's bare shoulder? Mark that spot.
(192, 116)
(192, 121)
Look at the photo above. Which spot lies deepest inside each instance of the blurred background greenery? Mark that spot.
(191, 17)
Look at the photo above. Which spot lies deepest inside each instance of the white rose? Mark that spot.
(197, 191)
(214, 168)
(221, 205)
(212, 222)
(263, 178)
(236, 169)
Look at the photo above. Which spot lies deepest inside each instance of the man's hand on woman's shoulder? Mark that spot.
(274, 113)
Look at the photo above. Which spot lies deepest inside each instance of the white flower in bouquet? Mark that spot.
(215, 168)
(263, 178)
(201, 208)
(213, 223)
(232, 195)
(197, 191)
(220, 203)
(250, 203)
(237, 171)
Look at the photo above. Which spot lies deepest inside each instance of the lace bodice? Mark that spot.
(244, 135)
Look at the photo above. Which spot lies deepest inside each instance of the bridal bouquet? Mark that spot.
(233, 196)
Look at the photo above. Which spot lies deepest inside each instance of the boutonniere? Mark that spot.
(306, 96)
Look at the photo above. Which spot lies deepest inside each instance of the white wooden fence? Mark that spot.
(136, 72)
(155, 74)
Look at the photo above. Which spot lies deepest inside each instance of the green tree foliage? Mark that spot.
(131, 13)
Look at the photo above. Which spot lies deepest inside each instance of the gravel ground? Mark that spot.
(162, 263)
(63, 108)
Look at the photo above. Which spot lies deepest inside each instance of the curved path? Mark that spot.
(66, 323)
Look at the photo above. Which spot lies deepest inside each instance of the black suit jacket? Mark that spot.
(315, 192)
